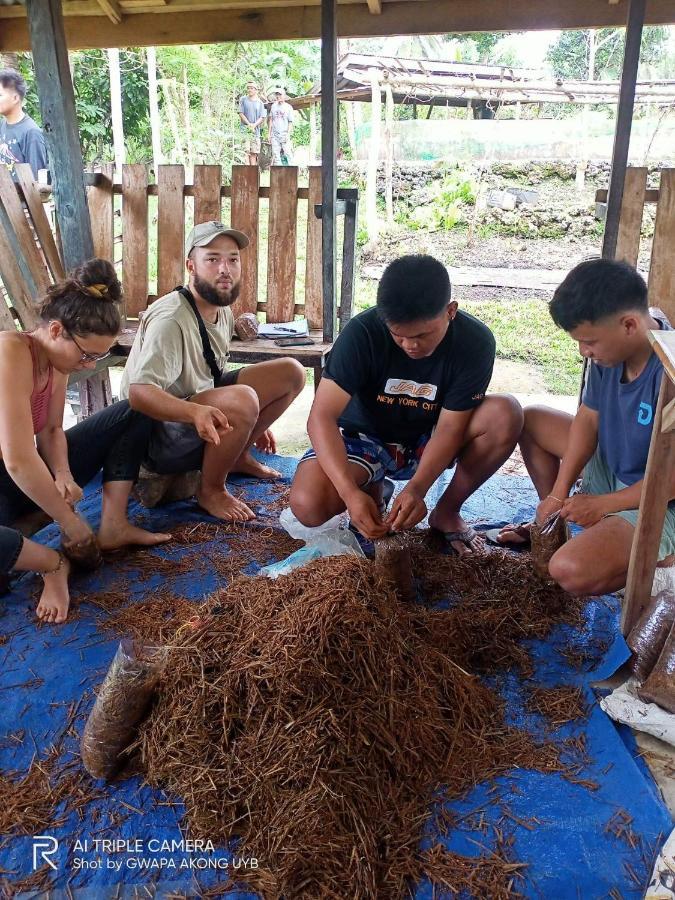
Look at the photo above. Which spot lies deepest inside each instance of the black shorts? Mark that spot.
(176, 447)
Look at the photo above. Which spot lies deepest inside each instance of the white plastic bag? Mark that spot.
(624, 705)
(324, 540)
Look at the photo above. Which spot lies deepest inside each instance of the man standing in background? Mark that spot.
(21, 139)
(252, 115)
(281, 128)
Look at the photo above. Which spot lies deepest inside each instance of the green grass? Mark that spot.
(524, 332)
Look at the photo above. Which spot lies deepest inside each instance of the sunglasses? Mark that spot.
(88, 357)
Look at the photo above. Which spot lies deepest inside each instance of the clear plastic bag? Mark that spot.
(324, 540)
(659, 688)
(546, 539)
(121, 705)
(649, 634)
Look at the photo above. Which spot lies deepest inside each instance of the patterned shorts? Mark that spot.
(380, 460)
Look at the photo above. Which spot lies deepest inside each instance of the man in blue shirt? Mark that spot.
(602, 304)
(21, 140)
(252, 114)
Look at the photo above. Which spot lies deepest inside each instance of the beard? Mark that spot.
(214, 295)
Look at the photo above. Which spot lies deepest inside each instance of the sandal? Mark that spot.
(464, 536)
(521, 531)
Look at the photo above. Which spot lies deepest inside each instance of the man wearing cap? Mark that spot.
(281, 128)
(206, 417)
(252, 115)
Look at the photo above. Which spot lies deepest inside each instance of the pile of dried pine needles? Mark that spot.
(315, 716)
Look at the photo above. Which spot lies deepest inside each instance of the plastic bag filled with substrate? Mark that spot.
(649, 634)
(394, 564)
(121, 705)
(546, 539)
(324, 540)
(660, 686)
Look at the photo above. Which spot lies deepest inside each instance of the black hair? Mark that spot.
(595, 289)
(86, 302)
(413, 288)
(10, 78)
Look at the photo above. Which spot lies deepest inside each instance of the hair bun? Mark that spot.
(98, 278)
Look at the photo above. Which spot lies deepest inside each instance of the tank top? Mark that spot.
(39, 400)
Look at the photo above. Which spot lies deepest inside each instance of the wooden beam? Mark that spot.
(165, 27)
(59, 122)
(112, 10)
(329, 145)
(375, 7)
(624, 119)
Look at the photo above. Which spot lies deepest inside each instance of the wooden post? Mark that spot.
(372, 227)
(313, 134)
(116, 110)
(155, 126)
(389, 152)
(328, 163)
(59, 122)
(624, 118)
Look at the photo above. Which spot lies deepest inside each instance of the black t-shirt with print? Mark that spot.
(398, 399)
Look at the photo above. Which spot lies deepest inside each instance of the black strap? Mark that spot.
(207, 349)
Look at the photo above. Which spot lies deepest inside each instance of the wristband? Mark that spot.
(557, 499)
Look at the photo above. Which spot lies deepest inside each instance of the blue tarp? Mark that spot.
(568, 852)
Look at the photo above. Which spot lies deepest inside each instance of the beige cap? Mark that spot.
(203, 234)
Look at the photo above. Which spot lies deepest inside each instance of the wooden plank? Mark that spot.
(112, 10)
(135, 237)
(260, 351)
(313, 271)
(632, 209)
(21, 236)
(651, 195)
(21, 297)
(295, 19)
(663, 344)
(668, 417)
(348, 263)
(653, 504)
(170, 229)
(662, 269)
(282, 243)
(59, 122)
(207, 194)
(245, 216)
(102, 212)
(41, 223)
(7, 322)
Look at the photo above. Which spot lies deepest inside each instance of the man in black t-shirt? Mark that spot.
(403, 395)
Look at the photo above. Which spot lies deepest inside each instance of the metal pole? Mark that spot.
(328, 162)
(624, 119)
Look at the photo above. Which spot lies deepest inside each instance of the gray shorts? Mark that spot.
(175, 447)
(598, 478)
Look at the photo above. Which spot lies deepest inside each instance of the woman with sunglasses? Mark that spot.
(41, 466)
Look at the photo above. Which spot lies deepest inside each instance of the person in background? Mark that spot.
(252, 115)
(21, 139)
(281, 128)
(43, 467)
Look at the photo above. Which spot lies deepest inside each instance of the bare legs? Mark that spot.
(55, 598)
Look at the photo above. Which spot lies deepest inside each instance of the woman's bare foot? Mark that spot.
(248, 465)
(113, 535)
(55, 597)
(222, 505)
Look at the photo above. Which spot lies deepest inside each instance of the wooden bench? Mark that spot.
(270, 271)
(661, 462)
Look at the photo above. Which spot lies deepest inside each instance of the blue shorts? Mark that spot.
(380, 460)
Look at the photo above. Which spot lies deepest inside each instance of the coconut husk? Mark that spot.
(85, 555)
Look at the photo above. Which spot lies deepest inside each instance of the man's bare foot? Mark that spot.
(222, 505)
(466, 540)
(113, 535)
(55, 597)
(248, 465)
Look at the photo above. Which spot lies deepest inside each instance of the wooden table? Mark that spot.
(657, 487)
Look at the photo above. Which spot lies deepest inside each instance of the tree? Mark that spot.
(569, 55)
